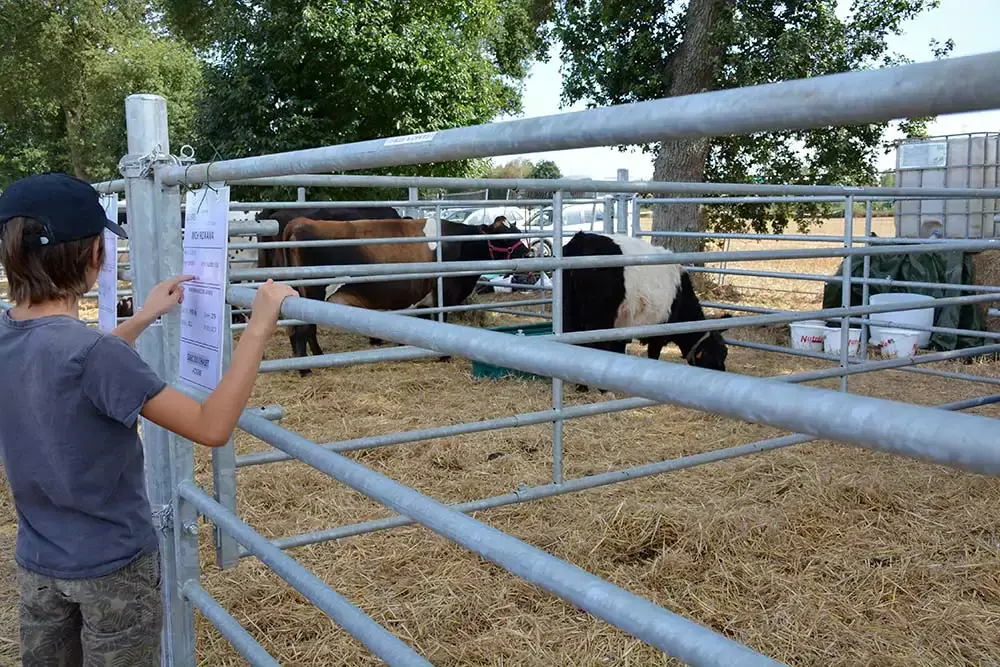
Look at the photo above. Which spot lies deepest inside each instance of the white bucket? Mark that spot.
(900, 318)
(831, 341)
(808, 335)
(895, 343)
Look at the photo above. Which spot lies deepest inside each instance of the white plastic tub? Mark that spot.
(808, 335)
(901, 318)
(896, 343)
(831, 341)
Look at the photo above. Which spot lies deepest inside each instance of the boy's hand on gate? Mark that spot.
(267, 306)
(166, 296)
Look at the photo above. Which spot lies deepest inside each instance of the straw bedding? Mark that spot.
(986, 270)
(819, 554)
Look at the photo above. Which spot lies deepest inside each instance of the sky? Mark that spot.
(972, 24)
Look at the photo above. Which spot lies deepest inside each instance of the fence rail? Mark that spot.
(721, 192)
(528, 494)
(947, 86)
(673, 634)
(911, 431)
(595, 261)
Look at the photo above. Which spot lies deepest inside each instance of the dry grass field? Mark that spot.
(794, 294)
(819, 554)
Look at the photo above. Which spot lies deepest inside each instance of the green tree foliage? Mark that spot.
(621, 51)
(292, 74)
(522, 168)
(65, 70)
(516, 168)
(546, 169)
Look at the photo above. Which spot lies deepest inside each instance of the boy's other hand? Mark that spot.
(166, 296)
(267, 306)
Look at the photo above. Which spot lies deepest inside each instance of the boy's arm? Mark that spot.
(212, 422)
(130, 329)
(162, 299)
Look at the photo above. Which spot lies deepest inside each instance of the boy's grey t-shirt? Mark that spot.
(70, 398)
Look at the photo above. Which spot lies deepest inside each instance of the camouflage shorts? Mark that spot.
(109, 620)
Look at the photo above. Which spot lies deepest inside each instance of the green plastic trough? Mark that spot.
(484, 370)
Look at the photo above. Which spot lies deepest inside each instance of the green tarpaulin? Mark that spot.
(939, 267)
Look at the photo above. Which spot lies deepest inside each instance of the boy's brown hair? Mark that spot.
(47, 272)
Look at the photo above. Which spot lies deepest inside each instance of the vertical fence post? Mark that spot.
(227, 552)
(622, 218)
(439, 257)
(865, 290)
(413, 195)
(845, 301)
(609, 215)
(300, 194)
(636, 217)
(557, 328)
(154, 216)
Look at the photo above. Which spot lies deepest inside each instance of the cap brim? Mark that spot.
(116, 229)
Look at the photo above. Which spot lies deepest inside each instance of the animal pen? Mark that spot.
(152, 182)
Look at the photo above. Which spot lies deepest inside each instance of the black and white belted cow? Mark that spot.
(630, 296)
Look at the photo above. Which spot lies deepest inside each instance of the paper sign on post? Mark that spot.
(206, 250)
(107, 279)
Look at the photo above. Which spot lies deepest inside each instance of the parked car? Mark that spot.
(487, 214)
(576, 218)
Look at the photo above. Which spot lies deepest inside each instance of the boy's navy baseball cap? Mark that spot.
(68, 208)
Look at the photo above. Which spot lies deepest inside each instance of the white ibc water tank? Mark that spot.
(953, 161)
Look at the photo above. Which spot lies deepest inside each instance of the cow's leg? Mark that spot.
(306, 336)
(445, 359)
(444, 319)
(314, 340)
(298, 336)
(582, 388)
(616, 346)
(605, 345)
(572, 322)
(654, 346)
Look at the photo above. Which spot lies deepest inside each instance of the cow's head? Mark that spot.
(504, 248)
(709, 350)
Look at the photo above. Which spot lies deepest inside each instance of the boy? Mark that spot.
(87, 556)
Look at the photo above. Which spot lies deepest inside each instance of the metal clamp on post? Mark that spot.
(131, 166)
(163, 519)
(142, 165)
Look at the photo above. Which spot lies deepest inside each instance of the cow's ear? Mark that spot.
(485, 229)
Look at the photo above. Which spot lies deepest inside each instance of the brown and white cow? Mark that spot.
(390, 294)
(266, 256)
(387, 295)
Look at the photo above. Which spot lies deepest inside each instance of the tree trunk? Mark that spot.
(694, 70)
(74, 142)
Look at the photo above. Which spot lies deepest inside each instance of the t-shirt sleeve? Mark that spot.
(117, 381)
